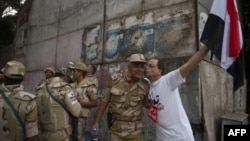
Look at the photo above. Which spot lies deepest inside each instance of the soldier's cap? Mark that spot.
(52, 69)
(137, 58)
(14, 69)
(78, 66)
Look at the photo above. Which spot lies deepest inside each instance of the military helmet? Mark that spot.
(78, 66)
(14, 69)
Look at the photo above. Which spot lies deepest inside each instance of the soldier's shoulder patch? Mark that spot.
(25, 96)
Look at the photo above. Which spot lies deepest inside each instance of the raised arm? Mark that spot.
(193, 61)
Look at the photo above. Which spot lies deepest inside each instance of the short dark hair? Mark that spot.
(161, 66)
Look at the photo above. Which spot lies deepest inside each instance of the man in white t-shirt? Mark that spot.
(166, 108)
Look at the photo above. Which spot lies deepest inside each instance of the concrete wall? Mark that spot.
(104, 32)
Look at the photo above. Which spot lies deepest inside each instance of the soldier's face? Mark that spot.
(48, 74)
(76, 73)
(136, 69)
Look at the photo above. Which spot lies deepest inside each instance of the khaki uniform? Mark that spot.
(40, 84)
(54, 121)
(91, 117)
(126, 107)
(25, 105)
(86, 90)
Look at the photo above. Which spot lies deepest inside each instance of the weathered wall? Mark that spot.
(6, 54)
(104, 32)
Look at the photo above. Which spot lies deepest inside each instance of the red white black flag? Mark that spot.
(223, 36)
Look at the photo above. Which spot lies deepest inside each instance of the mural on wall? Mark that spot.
(91, 45)
(153, 34)
(130, 35)
(121, 43)
(159, 33)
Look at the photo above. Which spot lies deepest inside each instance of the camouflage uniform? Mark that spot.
(23, 102)
(126, 106)
(43, 81)
(54, 121)
(86, 90)
(91, 118)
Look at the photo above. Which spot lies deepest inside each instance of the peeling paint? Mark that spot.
(91, 44)
(147, 34)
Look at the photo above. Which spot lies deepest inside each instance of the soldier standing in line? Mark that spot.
(57, 104)
(49, 73)
(125, 97)
(18, 108)
(65, 74)
(91, 118)
(86, 92)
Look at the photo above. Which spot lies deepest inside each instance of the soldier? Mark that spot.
(49, 73)
(18, 108)
(91, 118)
(86, 91)
(56, 105)
(65, 74)
(125, 97)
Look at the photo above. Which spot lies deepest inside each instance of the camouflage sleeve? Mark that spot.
(31, 119)
(92, 92)
(106, 95)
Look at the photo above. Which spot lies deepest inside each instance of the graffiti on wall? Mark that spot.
(152, 34)
(121, 43)
(91, 44)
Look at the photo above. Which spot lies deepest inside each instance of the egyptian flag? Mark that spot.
(222, 35)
